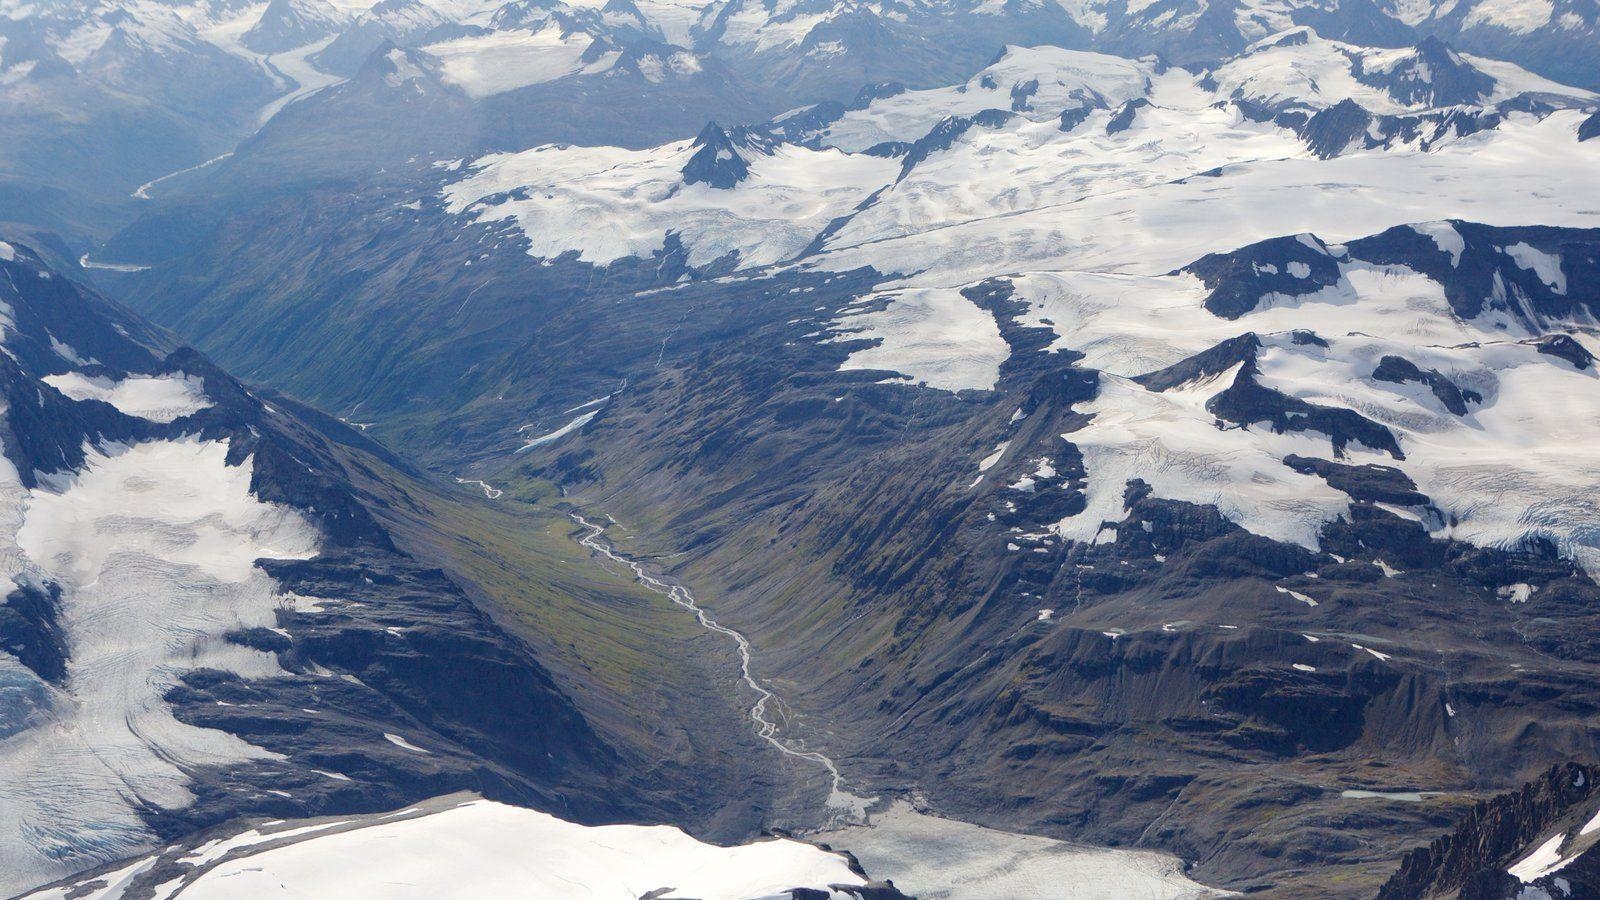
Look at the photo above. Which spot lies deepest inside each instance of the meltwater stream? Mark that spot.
(849, 807)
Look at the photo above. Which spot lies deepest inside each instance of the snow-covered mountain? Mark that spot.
(1092, 445)
(735, 199)
(145, 496)
(946, 429)
(1041, 137)
(1557, 38)
(1300, 67)
(98, 98)
(1442, 345)
(287, 24)
(158, 88)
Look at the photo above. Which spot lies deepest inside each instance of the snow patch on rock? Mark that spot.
(938, 338)
(159, 398)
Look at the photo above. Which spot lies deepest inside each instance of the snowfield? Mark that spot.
(159, 398)
(1521, 462)
(1053, 79)
(933, 858)
(499, 61)
(1089, 214)
(1159, 168)
(1170, 441)
(1142, 201)
(471, 849)
(938, 337)
(606, 203)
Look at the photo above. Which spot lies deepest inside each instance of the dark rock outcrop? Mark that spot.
(1589, 128)
(1470, 862)
(1329, 132)
(717, 161)
(1372, 483)
(30, 629)
(1239, 351)
(1073, 116)
(944, 135)
(1563, 346)
(1288, 266)
(1484, 275)
(1399, 370)
(1125, 115)
(1248, 402)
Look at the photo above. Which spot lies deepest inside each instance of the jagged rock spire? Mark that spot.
(717, 161)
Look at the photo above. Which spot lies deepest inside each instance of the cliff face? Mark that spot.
(1544, 818)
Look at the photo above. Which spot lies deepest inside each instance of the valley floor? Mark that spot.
(923, 854)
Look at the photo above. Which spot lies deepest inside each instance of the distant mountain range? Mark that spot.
(98, 99)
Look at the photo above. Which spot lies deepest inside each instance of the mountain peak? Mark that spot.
(1433, 49)
(395, 66)
(1293, 37)
(1432, 74)
(287, 24)
(717, 160)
